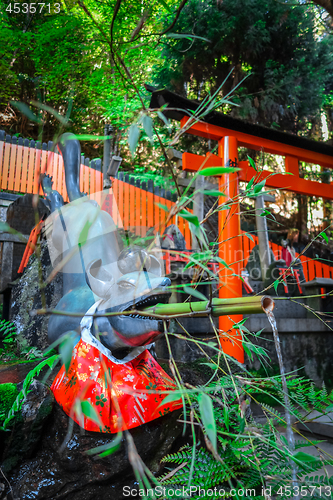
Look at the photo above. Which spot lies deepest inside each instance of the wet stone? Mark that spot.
(24, 436)
(26, 296)
(72, 474)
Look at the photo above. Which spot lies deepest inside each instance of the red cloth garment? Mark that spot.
(122, 404)
(288, 254)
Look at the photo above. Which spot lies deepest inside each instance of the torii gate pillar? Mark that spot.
(230, 250)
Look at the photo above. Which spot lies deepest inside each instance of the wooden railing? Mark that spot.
(311, 268)
(138, 210)
(22, 161)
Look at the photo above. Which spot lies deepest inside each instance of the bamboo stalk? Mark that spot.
(219, 307)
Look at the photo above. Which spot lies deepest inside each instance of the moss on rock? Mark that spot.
(8, 394)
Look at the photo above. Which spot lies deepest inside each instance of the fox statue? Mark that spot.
(111, 366)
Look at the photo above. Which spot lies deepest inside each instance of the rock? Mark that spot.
(75, 475)
(22, 440)
(26, 297)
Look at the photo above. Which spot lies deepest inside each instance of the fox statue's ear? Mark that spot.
(99, 279)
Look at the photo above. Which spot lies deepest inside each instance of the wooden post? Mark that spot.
(230, 250)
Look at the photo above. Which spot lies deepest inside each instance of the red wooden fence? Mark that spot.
(137, 209)
(312, 268)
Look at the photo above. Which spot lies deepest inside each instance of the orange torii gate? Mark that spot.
(230, 134)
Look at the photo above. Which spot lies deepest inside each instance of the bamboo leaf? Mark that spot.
(164, 119)
(66, 348)
(108, 448)
(249, 185)
(189, 217)
(226, 416)
(259, 187)
(207, 417)
(252, 163)
(60, 118)
(276, 284)
(193, 291)
(89, 411)
(147, 123)
(249, 236)
(170, 398)
(163, 207)
(25, 110)
(133, 137)
(211, 171)
(210, 192)
(324, 235)
(189, 36)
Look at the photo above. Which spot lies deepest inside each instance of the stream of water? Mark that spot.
(290, 435)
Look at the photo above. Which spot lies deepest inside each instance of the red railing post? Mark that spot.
(230, 250)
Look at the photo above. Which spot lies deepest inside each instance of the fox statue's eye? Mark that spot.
(133, 259)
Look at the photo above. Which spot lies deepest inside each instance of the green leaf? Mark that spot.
(84, 233)
(25, 110)
(147, 123)
(259, 187)
(226, 416)
(259, 351)
(210, 192)
(249, 236)
(89, 411)
(89, 137)
(302, 457)
(164, 119)
(249, 185)
(163, 207)
(324, 235)
(66, 348)
(108, 448)
(221, 261)
(170, 398)
(207, 417)
(133, 137)
(192, 291)
(211, 171)
(276, 284)
(252, 163)
(165, 5)
(189, 217)
(239, 324)
(224, 207)
(186, 35)
(264, 213)
(62, 119)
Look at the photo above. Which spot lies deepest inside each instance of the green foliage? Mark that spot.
(15, 349)
(21, 396)
(281, 47)
(8, 394)
(250, 455)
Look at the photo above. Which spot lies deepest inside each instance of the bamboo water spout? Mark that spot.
(218, 307)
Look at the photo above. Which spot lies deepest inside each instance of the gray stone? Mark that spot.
(22, 441)
(74, 475)
(26, 296)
